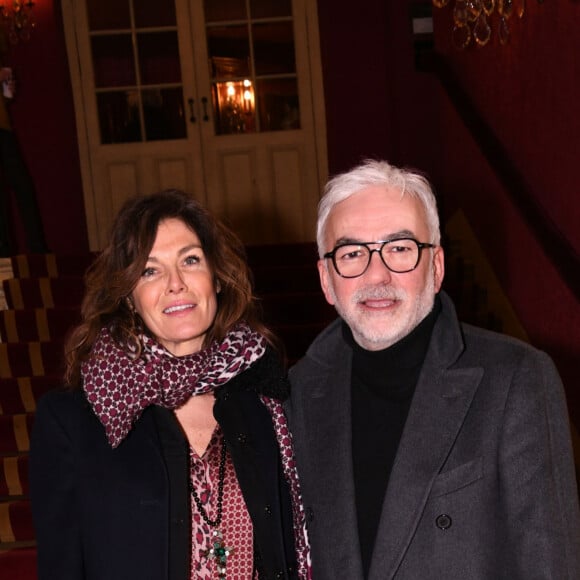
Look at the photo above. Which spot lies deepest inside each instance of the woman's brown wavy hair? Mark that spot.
(114, 274)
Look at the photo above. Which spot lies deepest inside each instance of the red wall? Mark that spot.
(377, 104)
(528, 93)
(44, 122)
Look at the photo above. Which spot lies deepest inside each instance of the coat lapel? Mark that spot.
(330, 466)
(441, 401)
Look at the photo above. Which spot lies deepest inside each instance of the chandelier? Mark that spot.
(473, 19)
(18, 19)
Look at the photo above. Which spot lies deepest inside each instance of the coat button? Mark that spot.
(268, 510)
(279, 574)
(242, 438)
(443, 522)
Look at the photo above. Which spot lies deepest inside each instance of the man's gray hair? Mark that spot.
(377, 173)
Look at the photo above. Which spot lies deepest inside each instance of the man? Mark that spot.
(426, 449)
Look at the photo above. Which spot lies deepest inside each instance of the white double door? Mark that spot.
(263, 176)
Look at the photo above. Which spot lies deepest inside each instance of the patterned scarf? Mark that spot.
(119, 387)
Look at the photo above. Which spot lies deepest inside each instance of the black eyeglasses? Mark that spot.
(402, 255)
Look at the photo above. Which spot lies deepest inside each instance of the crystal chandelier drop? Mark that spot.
(473, 20)
(18, 19)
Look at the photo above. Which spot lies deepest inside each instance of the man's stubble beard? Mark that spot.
(365, 333)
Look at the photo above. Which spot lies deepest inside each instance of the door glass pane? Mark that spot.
(154, 14)
(234, 106)
(159, 58)
(278, 106)
(229, 51)
(163, 114)
(144, 60)
(220, 10)
(113, 60)
(270, 9)
(274, 48)
(252, 66)
(119, 117)
(108, 14)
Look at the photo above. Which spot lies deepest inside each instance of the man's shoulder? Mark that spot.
(474, 343)
(477, 335)
(501, 349)
(323, 349)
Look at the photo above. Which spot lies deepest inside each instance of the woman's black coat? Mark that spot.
(124, 513)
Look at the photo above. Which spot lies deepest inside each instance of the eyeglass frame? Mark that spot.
(420, 246)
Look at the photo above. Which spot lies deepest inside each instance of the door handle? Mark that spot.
(192, 118)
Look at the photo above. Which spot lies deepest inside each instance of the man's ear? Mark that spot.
(438, 267)
(325, 281)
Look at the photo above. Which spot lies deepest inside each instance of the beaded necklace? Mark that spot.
(217, 548)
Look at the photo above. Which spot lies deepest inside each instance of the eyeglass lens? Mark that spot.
(398, 255)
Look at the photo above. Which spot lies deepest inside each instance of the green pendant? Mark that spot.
(220, 552)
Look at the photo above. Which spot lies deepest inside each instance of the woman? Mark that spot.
(169, 458)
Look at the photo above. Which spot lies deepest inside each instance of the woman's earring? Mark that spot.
(132, 314)
(218, 287)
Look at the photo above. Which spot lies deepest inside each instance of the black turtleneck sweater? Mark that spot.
(383, 384)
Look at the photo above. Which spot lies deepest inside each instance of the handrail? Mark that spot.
(558, 249)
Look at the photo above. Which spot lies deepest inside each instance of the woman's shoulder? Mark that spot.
(62, 412)
(61, 400)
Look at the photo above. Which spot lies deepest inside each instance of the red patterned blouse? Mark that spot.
(236, 525)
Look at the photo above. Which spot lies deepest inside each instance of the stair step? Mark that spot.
(50, 265)
(14, 476)
(298, 308)
(44, 292)
(288, 254)
(67, 291)
(16, 522)
(31, 359)
(285, 279)
(18, 561)
(37, 324)
(20, 395)
(15, 433)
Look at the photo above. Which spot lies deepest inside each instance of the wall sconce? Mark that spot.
(18, 19)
